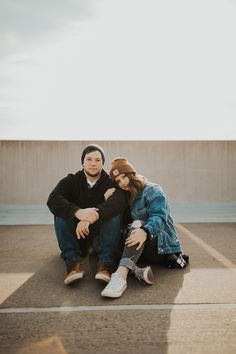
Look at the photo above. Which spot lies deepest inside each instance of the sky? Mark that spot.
(117, 70)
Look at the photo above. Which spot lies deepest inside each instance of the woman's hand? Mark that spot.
(138, 236)
(109, 193)
(82, 229)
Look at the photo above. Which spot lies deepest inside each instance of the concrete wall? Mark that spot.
(189, 171)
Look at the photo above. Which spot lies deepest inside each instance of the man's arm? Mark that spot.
(114, 205)
(59, 204)
(58, 200)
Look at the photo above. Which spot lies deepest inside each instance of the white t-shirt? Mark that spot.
(91, 184)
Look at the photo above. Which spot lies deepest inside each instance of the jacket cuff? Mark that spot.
(149, 235)
(73, 210)
(146, 230)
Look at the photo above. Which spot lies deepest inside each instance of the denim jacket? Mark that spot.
(151, 207)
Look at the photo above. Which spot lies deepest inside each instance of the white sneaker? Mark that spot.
(115, 287)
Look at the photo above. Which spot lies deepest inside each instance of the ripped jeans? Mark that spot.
(148, 253)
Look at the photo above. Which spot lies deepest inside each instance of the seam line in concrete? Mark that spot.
(120, 308)
(209, 249)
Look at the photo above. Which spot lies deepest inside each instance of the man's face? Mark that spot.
(93, 163)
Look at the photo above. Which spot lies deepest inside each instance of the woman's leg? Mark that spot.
(150, 253)
(173, 260)
(128, 261)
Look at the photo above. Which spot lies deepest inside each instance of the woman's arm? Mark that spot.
(114, 205)
(157, 211)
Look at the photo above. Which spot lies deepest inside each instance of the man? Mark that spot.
(84, 210)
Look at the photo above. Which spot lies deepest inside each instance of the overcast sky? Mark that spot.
(118, 70)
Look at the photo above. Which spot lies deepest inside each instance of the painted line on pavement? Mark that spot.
(171, 307)
(211, 250)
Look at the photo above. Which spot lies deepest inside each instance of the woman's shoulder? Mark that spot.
(150, 188)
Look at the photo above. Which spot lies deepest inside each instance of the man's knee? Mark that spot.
(116, 219)
(114, 222)
(61, 225)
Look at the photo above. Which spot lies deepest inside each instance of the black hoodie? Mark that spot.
(72, 193)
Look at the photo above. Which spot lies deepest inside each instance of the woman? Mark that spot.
(151, 234)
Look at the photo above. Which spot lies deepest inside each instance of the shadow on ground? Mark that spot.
(34, 249)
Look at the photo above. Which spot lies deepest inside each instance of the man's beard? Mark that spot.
(96, 174)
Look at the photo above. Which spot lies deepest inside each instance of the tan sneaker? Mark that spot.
(103, 272)
(75, 271)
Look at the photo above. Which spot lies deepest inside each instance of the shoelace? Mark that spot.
(117, 280)
(104, 267)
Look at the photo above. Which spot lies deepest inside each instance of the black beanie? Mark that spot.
(90, 148)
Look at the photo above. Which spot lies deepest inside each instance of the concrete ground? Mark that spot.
(191, 310)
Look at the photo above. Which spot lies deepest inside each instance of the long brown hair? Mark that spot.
(136, 184)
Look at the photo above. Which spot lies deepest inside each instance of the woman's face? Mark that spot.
(123, 182)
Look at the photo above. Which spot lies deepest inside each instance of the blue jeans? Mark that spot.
(107, 233)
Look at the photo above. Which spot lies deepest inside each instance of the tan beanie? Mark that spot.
(120, 165)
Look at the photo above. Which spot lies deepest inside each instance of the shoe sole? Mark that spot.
(113, 295)
(102, 278)
(73, 278)
(148, 276)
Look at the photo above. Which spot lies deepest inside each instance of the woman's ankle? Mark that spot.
(123, 271)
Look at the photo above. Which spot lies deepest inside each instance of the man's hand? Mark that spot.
(109, 193)
(138, 236)
(88, 214)
(82, 229)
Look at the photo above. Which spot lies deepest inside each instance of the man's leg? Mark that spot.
(67, 240)
(71, 250)
(109, 247)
